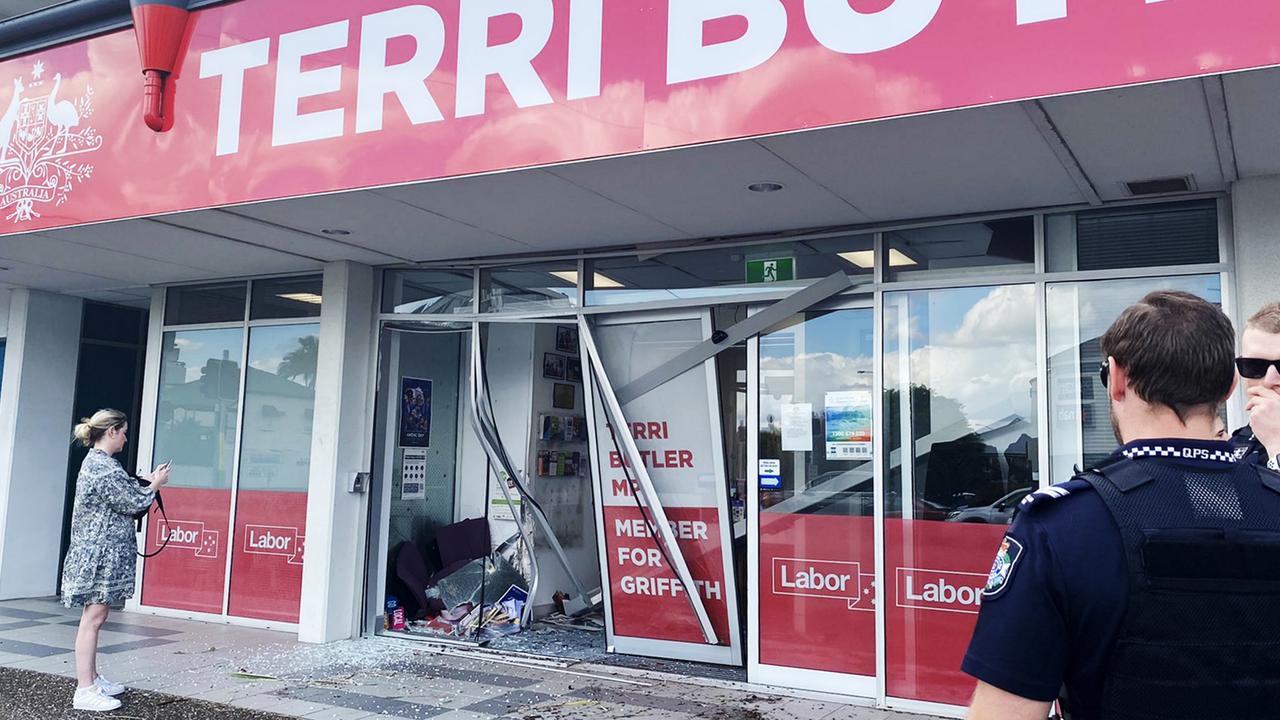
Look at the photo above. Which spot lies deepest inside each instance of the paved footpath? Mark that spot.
(188, 670)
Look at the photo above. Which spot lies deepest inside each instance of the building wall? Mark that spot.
(1256, 219)
(4, 312)
(36, 401)
(567, 500)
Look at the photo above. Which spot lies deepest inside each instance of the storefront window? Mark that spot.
(530, 288)
(817, 494)
(428, 292)
(960, 448)
(727, 271)
(275, 463)
(201, 424)
(1183, 233)
(294, 297)
(197, 304)
(1078, 315)
(1002, 246)
(196, 423)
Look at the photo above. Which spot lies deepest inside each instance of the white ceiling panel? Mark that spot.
(1140, 133)
(537, 208)
(260, 232)
(942, 164)
(12, 8)
(43, 277)
(93, 260)
(1253, 104)
(702, 191)
(159, 241)
(119, 297)
(386, 225)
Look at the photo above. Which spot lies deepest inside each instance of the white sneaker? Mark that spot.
(92, 699)
(107, 687)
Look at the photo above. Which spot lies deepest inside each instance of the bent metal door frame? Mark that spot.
(704, 652)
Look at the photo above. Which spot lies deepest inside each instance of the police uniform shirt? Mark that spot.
(1247, 447)
(1057, 592)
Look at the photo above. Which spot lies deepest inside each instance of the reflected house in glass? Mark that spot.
(277, 453)
(198, 417)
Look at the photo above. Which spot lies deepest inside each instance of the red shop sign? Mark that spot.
(279, 98)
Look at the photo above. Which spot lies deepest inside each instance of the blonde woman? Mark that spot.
(99, 569)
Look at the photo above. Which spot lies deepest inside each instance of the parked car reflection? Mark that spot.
(999, 512)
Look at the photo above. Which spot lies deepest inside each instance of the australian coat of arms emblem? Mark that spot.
(45, 139)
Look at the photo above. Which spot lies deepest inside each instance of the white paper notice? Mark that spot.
(797, 427)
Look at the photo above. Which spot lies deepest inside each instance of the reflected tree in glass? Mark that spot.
(302, 361)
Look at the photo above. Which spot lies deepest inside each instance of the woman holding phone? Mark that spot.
(99, 570)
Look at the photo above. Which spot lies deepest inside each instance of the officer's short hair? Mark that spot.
(1176, 349)
(1267, 319)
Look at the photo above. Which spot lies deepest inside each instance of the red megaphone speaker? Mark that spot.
(161, 27)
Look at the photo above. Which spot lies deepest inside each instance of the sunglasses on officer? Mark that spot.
(1255, 368)
(1104, 373)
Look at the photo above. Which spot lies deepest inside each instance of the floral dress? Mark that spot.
(100, 563)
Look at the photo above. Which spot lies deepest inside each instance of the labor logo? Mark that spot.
(45, 141)
(1002, 567)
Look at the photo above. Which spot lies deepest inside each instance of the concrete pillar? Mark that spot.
(1256, 221)
(333, 566)
(4, 312)
(36, 399)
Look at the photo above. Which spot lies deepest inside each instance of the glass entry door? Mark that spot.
(812, 545)
(960, 450)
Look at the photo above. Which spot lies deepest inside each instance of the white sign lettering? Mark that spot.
(688, 59)
(407, 80)
(925, 589)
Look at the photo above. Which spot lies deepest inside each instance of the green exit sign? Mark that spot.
(771, 270)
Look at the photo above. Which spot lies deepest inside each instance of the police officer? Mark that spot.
(1259, 366)
(1147, 587)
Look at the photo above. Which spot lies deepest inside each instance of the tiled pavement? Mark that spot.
(378, 678)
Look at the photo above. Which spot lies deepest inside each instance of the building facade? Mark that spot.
(747, 322)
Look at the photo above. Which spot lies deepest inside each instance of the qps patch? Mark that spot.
(1002, 567)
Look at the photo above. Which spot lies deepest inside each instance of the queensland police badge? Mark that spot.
(1002, 567)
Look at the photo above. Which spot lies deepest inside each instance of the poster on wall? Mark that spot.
(797, 427)
(415, 412)
(848, 416)
(413, 475)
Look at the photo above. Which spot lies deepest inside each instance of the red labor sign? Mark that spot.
(266, 560)
(267, 550)
(278, 98)
(817, 579)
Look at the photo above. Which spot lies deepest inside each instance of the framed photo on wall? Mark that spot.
(567, 339)
(553, 366)
(562, 397)
(573, 370)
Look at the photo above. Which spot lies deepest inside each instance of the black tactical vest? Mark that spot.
(1201, 636)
